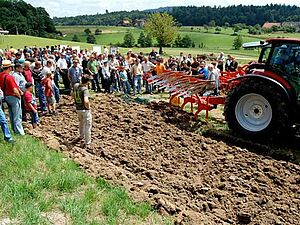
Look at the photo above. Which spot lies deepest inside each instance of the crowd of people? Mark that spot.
(42, 73)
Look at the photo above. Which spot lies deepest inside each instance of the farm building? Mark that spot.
(268, 25)
(292, 24)
(124, 23)
(139, 23)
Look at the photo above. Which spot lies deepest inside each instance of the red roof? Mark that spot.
(283, 40)
(270, 25)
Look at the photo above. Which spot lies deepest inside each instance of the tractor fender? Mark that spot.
(287, 92)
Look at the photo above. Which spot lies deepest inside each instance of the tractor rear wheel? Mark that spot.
(256, 109)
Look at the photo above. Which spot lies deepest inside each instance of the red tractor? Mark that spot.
(266, 101)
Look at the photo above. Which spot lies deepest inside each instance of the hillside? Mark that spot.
(196, 16)
(18, 17)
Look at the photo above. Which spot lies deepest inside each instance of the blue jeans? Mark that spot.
(137, 84)
(56, 93)
(15, 114)
(126, 87)
(4, 125)
(40, 91)
(34, 118)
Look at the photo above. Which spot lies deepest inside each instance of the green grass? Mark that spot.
(37, 181)
(19, 41)
(110, 35)
(213, 43)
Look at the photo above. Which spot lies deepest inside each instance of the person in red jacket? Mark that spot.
(30, 104)
(12, 96)
(48, 83)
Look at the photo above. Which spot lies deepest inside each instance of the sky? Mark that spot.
(61, 8)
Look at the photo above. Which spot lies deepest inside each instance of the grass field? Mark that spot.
(41, 186)
(213, 43)
(19, 41)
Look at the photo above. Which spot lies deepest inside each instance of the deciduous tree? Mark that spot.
(163, 27)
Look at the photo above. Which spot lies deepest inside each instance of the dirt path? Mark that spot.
(196, 179)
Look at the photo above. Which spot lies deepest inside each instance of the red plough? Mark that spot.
(191, 89)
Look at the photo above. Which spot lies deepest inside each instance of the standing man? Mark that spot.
(147, 68)
(12, 95)
(75, 73)
(106, 77)
(20, 81)
(221, 60)
(137, 72)
(93, 69)
(83, 108)
(3, 122)
(62, 66)
(39, 87)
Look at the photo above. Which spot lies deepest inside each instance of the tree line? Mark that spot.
(18, 17)
(196, 16)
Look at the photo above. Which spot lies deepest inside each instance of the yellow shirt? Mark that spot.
(160, 69)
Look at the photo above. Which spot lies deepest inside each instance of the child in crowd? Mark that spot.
(124, 80)
(51, 103)
(30, 104)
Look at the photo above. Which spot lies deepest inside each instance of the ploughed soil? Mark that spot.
(150, 150)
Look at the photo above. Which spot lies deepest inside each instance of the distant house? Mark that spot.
(124, 23)
(292, 24)
(139, 23)
(268, 25)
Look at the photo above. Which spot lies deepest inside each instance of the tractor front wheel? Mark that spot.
(256, 109)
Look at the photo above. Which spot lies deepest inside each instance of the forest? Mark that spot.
(18, 17)
(196, 16)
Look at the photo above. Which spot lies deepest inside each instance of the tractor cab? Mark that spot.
(266, 101)
(281, 57)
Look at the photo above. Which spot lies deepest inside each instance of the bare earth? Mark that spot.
(197, 180)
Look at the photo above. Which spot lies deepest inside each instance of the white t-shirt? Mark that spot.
(62, 64)
(147, 66)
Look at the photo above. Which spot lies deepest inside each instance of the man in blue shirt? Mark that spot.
(75, 73)
(203, 72)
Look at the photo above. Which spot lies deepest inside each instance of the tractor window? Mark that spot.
(286, 60)
(265, 54)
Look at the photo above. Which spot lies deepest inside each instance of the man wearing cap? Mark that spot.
(93, 69)
(20, 81)
(75, 73)
(83, 108)
(39, 87)
(12, 95)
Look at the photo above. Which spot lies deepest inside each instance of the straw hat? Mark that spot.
(7, 63)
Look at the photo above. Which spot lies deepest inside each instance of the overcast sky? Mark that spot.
(62, 8)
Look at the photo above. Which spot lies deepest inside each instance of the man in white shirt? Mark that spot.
(62, 66)
(147, 68)
(106, 77)
(105, 51)
(137, 72)
(214, 77)
(115, 79)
